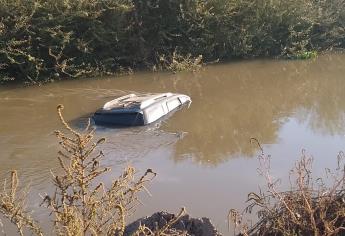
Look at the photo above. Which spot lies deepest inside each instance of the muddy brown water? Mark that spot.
(203, 155)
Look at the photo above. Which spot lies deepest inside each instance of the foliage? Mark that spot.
(47, 40)
(304, 55)
(179, 63)
(82, 204)
(307, 208)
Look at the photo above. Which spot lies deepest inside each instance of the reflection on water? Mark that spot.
(253, 99)
(204, 146)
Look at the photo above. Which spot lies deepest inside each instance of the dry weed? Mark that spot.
(308, 208)
(81, 204)
(13, 207)
(177, 63)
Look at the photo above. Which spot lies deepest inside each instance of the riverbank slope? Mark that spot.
(49, 40)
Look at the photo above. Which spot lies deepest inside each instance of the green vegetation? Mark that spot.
(304, 55)
(44, 40)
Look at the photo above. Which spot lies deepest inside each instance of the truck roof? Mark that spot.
(131, 101)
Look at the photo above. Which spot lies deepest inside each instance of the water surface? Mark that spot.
(203, 155)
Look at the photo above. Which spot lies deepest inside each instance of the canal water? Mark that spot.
(202, 154)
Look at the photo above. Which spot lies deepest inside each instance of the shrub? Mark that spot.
(48, 40)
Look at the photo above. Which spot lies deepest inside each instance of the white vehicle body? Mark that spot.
(135, 109)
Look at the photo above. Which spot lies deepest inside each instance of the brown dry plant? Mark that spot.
(309, 207)
(177, 63)
(13, 207)
(81, 203)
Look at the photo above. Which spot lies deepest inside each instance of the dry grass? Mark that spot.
(13, 205)
(81, 204)
(308, 208)
(177, 63)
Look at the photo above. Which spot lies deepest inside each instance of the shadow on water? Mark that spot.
(254, 100)
(197, 151)
(131, 142)
(231, 103)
